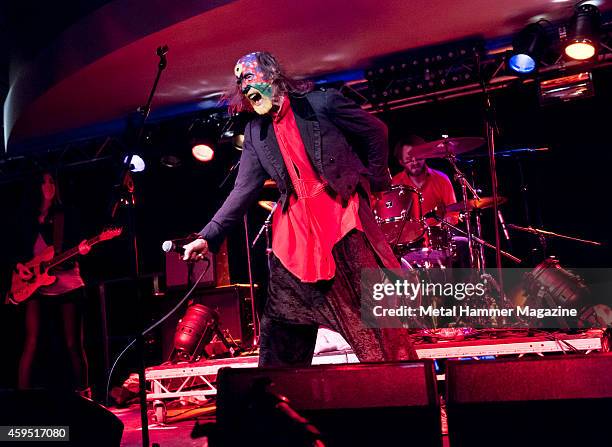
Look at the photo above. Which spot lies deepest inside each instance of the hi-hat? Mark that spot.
(447, 146)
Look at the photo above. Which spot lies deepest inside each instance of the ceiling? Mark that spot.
(102, 67)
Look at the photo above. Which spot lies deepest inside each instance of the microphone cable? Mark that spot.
(154, 325)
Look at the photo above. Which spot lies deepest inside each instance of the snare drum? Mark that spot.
(399, 214)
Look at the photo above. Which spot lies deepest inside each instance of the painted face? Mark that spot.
(253, 83)
(412, 165)
(48, 187)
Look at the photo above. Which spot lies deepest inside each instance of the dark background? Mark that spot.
(567, 191)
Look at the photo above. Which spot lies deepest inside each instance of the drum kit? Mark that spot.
(425, 247)
(421, 244)
(426, 241)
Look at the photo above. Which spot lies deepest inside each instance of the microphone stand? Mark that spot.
(476, 239)
(251, 283)
(254, 318)
(128, 200)
(491, 129)
(548, 234)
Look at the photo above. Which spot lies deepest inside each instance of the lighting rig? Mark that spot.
(539, 51)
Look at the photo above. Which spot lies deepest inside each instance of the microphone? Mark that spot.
(176, 245)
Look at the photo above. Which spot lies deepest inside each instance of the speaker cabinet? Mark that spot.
(351, 405)
(557, 401)
(89, 423)
(178, 275)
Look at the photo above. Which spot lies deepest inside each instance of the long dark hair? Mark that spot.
(32, 198)
(281, 84)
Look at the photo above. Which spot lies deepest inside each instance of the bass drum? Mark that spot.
(399, 214)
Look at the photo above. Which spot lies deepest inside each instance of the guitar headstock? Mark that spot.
(110, 233)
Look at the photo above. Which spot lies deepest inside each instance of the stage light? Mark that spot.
(580, 50)
(137, 164)
(528, 46)
(194, 331)
(203, 152)
(522, 63)
(583, 36)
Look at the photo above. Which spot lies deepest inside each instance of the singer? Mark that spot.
(325, 154)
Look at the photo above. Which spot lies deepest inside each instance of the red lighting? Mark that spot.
(203, 153)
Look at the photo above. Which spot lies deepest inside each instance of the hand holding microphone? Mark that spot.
(192, 248)
(195, 250)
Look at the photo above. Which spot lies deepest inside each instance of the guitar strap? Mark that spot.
(58, 231)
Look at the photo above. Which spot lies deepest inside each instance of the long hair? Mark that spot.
(281, 84)
(32, 197)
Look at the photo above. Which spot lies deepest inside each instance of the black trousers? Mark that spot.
(295, 310)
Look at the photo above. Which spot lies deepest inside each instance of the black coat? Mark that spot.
(344, 143)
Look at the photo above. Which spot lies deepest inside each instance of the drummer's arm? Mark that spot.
(448, 194)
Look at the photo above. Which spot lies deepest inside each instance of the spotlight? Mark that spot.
(205, 134)
(137, 164)
(528, 47)
(194, 331)
(522, 63)
(203, 152)
(583, 34)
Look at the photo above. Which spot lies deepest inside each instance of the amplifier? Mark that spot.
(88, 423)
(177, 271)
(561, 401)
(376, 404)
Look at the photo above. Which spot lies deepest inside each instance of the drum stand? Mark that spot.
(265, 229)
(476, 258)
(477, 240)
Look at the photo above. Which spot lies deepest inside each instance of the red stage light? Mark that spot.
(203, 152)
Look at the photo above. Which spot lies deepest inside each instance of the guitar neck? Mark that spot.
(63, 257)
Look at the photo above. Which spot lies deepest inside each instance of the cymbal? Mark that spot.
(266, 204)
(508, 153)
(474, 204)
(270, 184)
(446, 146)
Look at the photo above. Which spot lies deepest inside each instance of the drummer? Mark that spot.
(435, 186)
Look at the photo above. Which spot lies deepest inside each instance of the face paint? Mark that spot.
(254, 84)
